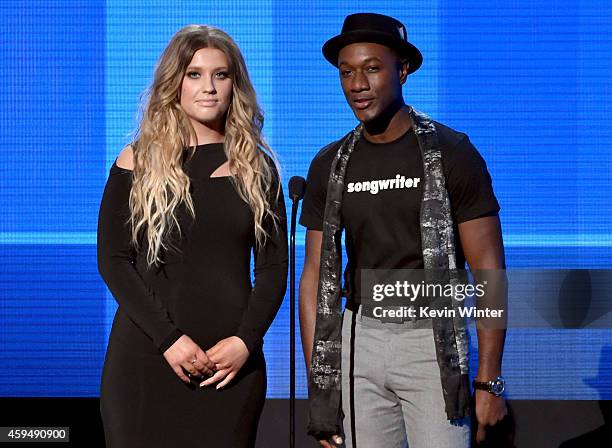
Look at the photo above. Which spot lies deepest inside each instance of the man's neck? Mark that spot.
(389, 127)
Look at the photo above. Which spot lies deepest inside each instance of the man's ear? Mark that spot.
(404, 66)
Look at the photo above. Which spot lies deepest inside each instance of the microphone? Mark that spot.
(297, 188)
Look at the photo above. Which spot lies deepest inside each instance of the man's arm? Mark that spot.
(309, 285)
(482, 244)
(483, 248)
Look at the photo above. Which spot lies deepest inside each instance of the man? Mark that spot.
(400, 383)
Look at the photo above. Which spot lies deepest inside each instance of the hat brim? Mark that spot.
(331, 48)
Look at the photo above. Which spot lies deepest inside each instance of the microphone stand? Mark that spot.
(294, 208)
(297, 187)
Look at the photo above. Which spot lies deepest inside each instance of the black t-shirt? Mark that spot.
(382, 199)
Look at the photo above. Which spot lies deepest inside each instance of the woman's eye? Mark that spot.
(222, 75)
(193, 75)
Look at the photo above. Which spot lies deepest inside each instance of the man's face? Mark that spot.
(371, 77)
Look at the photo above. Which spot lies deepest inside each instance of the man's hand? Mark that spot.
(489, 411)
(186, 354)
(332, 442)
(229, 355)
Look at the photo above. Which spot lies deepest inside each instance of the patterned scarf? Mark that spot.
(438, 247)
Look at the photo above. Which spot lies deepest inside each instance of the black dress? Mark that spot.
(204, 290)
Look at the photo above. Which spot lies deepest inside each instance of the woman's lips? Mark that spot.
(206, 103)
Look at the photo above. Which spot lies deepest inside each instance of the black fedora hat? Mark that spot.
(375, 28)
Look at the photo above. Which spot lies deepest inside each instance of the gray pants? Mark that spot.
(391, 389)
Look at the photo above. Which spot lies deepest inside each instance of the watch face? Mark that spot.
(497, 386)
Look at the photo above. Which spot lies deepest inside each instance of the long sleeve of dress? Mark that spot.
(116, 264)
(270, 280)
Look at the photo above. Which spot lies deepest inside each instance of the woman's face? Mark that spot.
(206, 91)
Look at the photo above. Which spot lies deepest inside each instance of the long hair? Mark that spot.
(159, 183)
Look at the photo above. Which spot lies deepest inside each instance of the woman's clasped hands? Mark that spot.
(220, 364)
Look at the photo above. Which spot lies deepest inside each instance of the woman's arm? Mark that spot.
(116, 264)
(270, 271)
(230, 354)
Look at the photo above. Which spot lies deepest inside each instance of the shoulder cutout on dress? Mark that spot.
(126, 158)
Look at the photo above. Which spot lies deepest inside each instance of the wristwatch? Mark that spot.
(495, 387)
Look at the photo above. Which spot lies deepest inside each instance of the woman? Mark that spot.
(182, 210)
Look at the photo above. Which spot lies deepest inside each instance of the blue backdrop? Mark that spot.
(528, 81)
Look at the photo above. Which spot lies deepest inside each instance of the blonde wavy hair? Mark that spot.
(159, 183)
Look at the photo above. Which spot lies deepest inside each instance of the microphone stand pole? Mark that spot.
(297, 187)
(294, 208)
